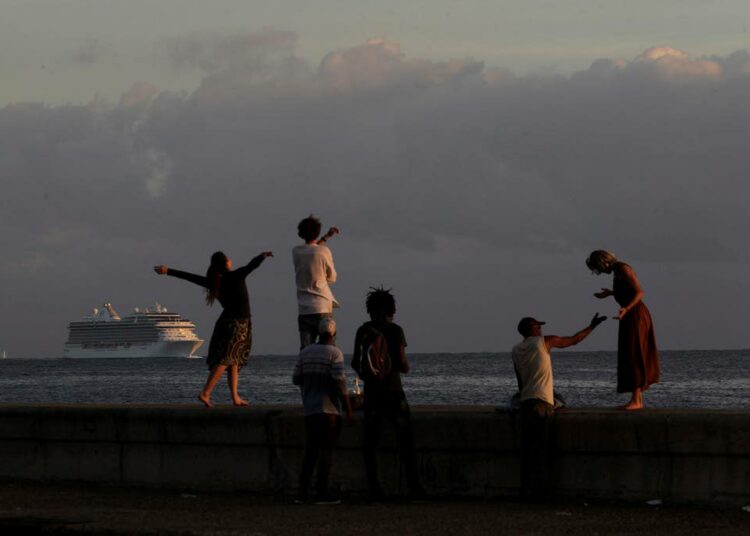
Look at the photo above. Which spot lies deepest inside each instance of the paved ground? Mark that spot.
(69, 509)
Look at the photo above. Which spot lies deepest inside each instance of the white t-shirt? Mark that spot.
(313, 269)
(534, 368)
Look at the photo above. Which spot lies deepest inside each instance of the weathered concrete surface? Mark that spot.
(675, 455)
(62, 508)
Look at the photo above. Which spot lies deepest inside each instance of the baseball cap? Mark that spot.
(526, 323)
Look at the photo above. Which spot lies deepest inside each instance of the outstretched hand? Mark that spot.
(267, 253)
(597, 320)
(160, 269)
(332, 231)
(605, 292)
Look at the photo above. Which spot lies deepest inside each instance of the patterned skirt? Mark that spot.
(230, 342)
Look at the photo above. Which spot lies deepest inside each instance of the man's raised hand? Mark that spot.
(597, 320)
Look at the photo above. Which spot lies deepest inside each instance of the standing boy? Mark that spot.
(314, 270)
(319, 373)
(380, 359)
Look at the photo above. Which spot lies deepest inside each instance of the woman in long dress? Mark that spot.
(637, 355)
(231, 340)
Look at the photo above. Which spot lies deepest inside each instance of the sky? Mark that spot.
(472, 154)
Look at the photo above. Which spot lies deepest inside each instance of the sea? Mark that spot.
(689, 379)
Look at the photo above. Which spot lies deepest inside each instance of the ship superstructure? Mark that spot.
(149, 332)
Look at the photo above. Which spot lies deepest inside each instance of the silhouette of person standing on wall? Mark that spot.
(637, 355)
(231, 339)
(313, 272)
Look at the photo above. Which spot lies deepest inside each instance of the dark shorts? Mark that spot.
(230, 342)
(308, 328)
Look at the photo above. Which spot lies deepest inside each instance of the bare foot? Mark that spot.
(206, 400)
(631, 406)
(240, 402)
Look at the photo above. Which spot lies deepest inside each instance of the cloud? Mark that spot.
(380, 64)
(140, 94)
(93, 51)
(646, 157)
(213, 52)
(671, 64)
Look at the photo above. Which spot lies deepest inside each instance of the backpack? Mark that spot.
(375, 360)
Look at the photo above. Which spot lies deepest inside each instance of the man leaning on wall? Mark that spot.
(533, 366)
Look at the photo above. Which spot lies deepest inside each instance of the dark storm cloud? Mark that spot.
(646, 157)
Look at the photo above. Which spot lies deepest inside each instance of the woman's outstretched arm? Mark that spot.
(187, 276)
(605, 292)
(253, 264)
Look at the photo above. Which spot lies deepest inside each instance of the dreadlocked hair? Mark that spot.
(217, 269)
(380, 302)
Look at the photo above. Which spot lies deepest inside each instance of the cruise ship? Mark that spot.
(150, 332)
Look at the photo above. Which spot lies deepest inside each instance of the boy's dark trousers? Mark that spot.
(321, 435)
(395, 410)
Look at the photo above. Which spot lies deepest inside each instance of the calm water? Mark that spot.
(707, 379)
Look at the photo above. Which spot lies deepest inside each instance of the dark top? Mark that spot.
(395, 338)
(233, 295)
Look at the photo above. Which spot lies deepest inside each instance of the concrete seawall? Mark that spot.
(698, 456)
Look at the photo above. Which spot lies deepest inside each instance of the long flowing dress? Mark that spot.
(232, 337)
(637, 355)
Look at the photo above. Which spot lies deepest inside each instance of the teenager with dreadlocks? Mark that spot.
(231, 340)
(380, 359)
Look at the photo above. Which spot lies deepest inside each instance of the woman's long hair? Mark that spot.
(217, 269)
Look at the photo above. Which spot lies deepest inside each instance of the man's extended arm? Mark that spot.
(553, 341)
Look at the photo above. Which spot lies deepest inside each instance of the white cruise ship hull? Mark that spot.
(154, 349)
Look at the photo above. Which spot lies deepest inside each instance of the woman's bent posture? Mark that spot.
(637, 356)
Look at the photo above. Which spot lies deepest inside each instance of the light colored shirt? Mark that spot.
(533, 366)
(319, 373)
(314, 270)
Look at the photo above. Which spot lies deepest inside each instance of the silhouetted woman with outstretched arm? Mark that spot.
(232, 336)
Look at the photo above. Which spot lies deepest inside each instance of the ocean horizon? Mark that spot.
(717, 379)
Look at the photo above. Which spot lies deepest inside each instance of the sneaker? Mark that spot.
(327, 498)
(301, 499)
(377, 496)
(418, 495)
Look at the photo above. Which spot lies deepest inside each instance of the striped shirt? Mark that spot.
(319, 373)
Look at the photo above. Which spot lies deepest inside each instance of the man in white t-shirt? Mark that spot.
(313, 271)
(533, 366)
